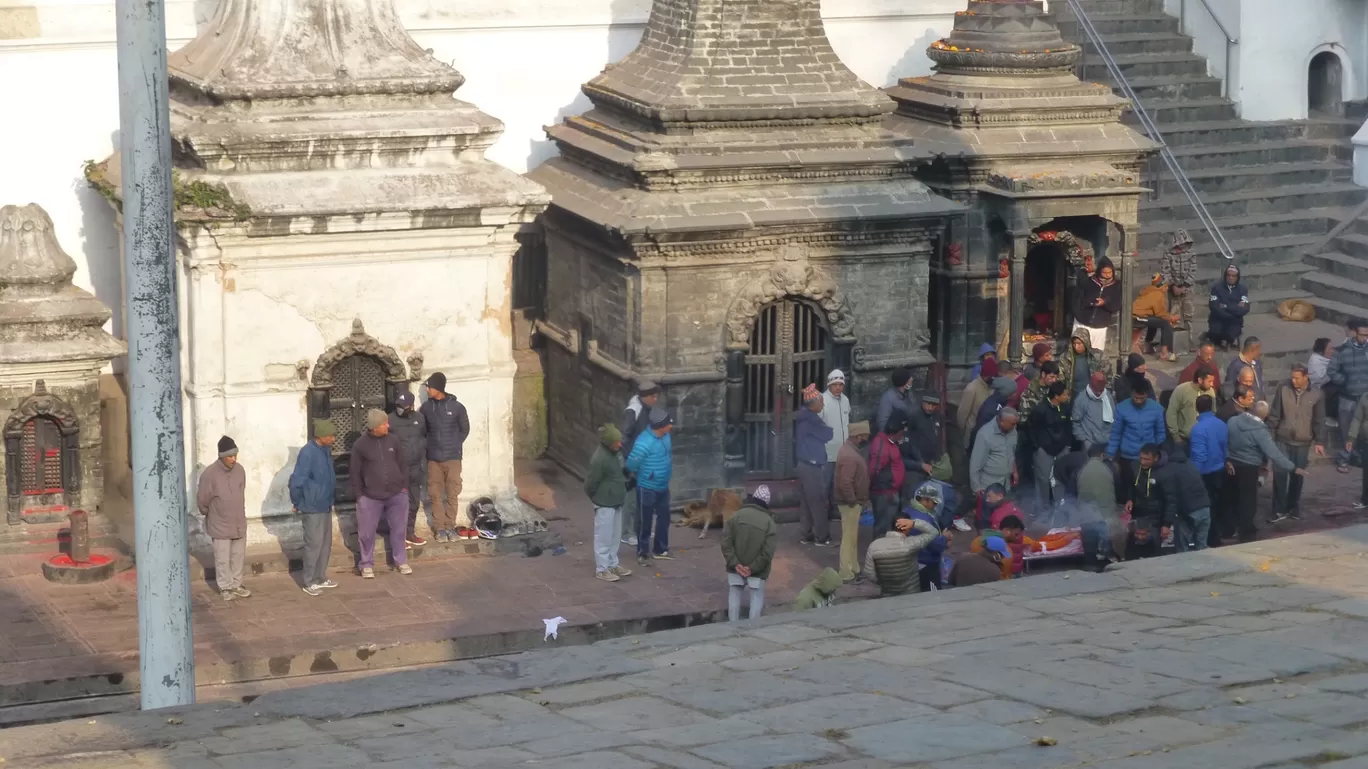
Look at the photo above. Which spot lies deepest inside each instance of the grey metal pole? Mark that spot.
(166, 651)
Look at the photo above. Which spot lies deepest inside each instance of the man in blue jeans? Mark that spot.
(652, 464)
(1348, 371)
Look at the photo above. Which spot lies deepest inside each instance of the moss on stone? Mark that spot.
(195, 199)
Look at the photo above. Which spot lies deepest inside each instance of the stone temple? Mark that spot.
(732, 219)
(739, 214)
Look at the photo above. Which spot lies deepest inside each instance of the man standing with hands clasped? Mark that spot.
(312, 486)
(222, 499)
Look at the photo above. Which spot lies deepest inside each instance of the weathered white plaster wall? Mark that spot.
(255, 307)
(1277, 42)
(524, 62)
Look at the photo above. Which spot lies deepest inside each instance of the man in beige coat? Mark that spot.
(221, 499)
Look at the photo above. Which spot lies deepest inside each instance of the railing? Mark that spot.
(1231, 41)
(1152, 131)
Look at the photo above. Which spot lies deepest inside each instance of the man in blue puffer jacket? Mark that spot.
(1139, 421)
(652, 463)
(312, 485)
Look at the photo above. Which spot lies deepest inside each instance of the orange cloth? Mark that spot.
(1152, 303)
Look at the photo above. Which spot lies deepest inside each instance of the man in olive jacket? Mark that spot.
(607, 489)
(748, 543)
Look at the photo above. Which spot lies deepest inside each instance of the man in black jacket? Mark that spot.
(1099, 299)
(1187, 502)
(410, 427)
(1051, 433)
(1148, 501)
(447, 428)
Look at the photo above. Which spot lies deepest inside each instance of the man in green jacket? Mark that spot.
(607, 489)
(748, 543)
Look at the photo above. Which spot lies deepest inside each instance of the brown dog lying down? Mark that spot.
(722, 504)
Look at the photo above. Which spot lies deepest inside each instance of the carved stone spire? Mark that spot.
(735, 61)
(43, 317)
(30, 256)
(280, 49)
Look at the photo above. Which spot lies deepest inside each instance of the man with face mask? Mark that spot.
(1348, 371)
(410, 427)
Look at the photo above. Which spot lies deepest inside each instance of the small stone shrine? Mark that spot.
(53, 347)
(731, 220)
(1047, 169)
(342, 237)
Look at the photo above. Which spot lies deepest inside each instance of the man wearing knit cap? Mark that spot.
(749, 540)
(380, 481)
(447, 427)
(652, 463)
(635, 421)
(810, 437)
(895, 399)
(836, 415)
(852, 496)
(312, 488)
(607, 488)
(410, 427)
(222, 500)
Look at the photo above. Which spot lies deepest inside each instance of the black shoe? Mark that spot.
(806, 540)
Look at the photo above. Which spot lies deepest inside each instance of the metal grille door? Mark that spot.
(358, 386)
(40, 451)
(788, 349)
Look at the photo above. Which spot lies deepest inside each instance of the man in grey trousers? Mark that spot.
(222, 500)
(312, 485)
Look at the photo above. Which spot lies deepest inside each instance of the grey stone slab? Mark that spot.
(707, 733)
(1340, 637)
(698, 653)
(1046, 692)
(1121, 621)
(383, 725)
(575, 694)
(288, 733)
(1251, 623)
(838, 646)
(666, 638)
(580, 742)
(1078, 604)
(1153, 733)
(934, 738)
(1067, 729)
(1294, 596)
(634, 714)
(770, 751)
(303, 757)
(1232, 714)
(1357, 762)
(1113, 678)
(1191, 666)
(841, 711)
(1254, 745)
(789, 633)
(1028, 757)
(1000, 712)
(600, 760)
(761, 690)
(1324, 709)
(459, 716)
(1356, 683)
(1270, 691)
(782, 659)
(1066, 583)
(1179, 611)
(1294, 617)
(675, 759)
(495, 757)
(1198, 632)
(868, 676)
(906, 656)
(506, 707)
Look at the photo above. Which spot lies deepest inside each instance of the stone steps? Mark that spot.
(1169, 87)
(1310, 222)
(1125, 45)
(1340, 265)
(1149, 64)
(1127, 24)
(1185, 110)
(1257, 201)
(1272, 177)
(1199, 158)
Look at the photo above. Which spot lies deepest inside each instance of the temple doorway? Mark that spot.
(1056, 262)
(1324, 85)
(788, 351)
(358, 386)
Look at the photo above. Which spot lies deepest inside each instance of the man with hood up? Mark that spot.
(1229, 304)
(1178, 267)
(819, 592)
(1099, 299)
(410, 427)
(986, 352)
(635, 421)
(1077, 364)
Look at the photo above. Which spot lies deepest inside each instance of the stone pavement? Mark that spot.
(62, 641)
(1249, 656)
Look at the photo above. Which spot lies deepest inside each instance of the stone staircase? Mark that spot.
(1276, 189)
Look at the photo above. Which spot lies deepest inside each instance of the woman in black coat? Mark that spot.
(1099, 299)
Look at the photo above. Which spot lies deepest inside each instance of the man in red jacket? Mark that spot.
(886, 473)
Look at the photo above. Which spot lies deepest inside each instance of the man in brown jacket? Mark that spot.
(1297, 418)
(222, 500)
(852, 495)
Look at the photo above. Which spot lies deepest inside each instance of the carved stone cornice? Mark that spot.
(797, 279)
(358, 343)
(1063, 179)
(42, 404)
(914, 239)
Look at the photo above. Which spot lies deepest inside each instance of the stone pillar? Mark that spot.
(1016, 305)
(1128, 240)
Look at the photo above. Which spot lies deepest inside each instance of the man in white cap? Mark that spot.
(749, 540)
(836, 415)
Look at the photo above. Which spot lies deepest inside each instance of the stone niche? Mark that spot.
(342, 235)
(731, 220)
(52, 349)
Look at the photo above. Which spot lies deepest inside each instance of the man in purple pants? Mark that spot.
(380, 481)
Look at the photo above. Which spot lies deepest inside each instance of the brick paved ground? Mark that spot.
(1244, 657)
(76, 636)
